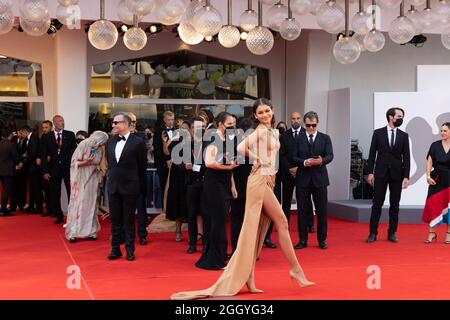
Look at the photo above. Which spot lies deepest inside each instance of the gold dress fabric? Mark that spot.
(251, 238)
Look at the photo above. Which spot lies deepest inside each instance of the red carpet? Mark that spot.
(34, 257)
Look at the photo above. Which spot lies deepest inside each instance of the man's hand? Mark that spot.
(293, 171)
(371, 179)
(405, 183)
(188, 166)
(47, 177)
(19, 166)
(38, 162)
(234, 193)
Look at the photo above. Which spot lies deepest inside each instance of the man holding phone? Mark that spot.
(314, 151)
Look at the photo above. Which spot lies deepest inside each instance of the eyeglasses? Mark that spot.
(117, 122)
(312, 125)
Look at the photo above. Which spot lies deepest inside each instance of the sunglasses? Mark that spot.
(117, 122)
(313, 125)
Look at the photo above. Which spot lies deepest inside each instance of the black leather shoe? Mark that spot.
(73, 240)
(269, 244)
(311, 229)
(131, 257)
(191, 249)
(392, 237)
(114, 255)
(301, 245)
(323, 245)
(143, 241)
(371, 238)
(6, 214)
(31, 210)
(92, 238)
(59, 220)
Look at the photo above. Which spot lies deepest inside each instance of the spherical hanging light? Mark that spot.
(402, 29)
(229, 78)
(249, 18)
(361, 21)
(64, 14)
(430, 19)
(206, 87)
(315, 6)
(102, 68)
(445, 38)
(374, 40)
(259, 40)
(346, 50)
(241, 75)
(416, 17)
(188, 33)
(192, 9)
(34, 10)
(301, 7)
(229, 35)
(200, 74)
(137, 79)
(388, 4)
(67, 3)
(5, 5)
(102, 33)
(443, 12)
(175, 8)
(207, 21)
(121, 72)
(124, 14)
(330, 17)
(141, 7)
(135, 39)
(155, 81)
(35, 28)
(6, 21)
(360, 39)
(290, 28)
(276, 16)
(185, 73)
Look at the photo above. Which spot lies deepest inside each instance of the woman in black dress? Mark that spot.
(216, 190)
(436, 211)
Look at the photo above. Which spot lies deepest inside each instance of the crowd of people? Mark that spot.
(201, 178)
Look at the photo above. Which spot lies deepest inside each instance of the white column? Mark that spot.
(72, 78)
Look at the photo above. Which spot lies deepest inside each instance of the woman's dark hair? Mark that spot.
(82, 133)
(280, 123)
(188, 123)
(261, 102)
(447, 124)
(222, 117)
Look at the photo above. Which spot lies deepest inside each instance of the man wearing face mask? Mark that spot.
(389, 165)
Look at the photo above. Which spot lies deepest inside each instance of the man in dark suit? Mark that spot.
(314, 151)
(8, 161)
(127, 161)
(388, 165)
(46, 126)
(57, 149)
(19, 192)
(162, 161)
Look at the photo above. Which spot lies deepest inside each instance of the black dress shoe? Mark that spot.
(114, 255)
(392, 237)
(73, 240)
(311, 229)
(131, 257)
(371, 238)
(191, 249)
(269, 244)
(6, 214)
(323, 245)
(143, 241)
(301, 245)
(59, 220)
(31, 210)
(92, 238)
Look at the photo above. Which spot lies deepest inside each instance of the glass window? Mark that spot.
(17, 114)
(19, 78)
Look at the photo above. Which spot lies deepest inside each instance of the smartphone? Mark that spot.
(92, 152)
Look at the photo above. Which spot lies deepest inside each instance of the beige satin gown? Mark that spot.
(254, 228)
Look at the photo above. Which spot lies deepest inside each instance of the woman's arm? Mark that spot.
(211, 162)
(246, 144)
(233, 188)
(429, 167)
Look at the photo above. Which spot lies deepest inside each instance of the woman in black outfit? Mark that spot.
(216, 190)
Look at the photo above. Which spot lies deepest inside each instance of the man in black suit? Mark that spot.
(162, 161)
(388, 165)
(8, 161)
(19, 192)
(46, 126)
(314, 151)
(57, 149)
(127, 162)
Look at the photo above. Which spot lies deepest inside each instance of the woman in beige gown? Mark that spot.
(261, 207)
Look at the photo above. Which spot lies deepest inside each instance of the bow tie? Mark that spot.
(119, 138)
(169, 129)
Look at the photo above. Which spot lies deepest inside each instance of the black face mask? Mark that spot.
(281, 129)
(398, 122)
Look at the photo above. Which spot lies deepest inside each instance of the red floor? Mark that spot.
(34, 257)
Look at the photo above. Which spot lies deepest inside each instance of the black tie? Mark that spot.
(119, 138)
(58, 142)
(392, 138)
(311, 141)
(295, 134)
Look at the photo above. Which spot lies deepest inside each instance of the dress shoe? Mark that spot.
(301, 245)
(269, 244)
(92, 238)
(191, 249)
(31, 210)
(73, 240)
(323, 245)
(59, 220)
(143, 241)
(6, 214)
(311, 229)
(46, 214)
(114, 255)
(131, 257)
(371, 238)
(392, 237)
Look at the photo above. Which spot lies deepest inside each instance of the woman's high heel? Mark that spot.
(432, 239)
(302, 281)
(447, 241)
